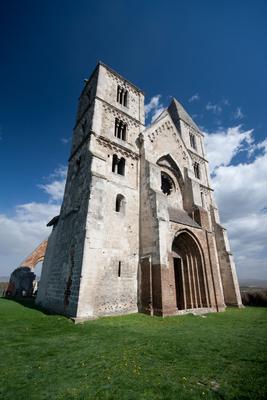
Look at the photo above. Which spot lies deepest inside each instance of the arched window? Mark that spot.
(120, 203)
(122, 95)
(193, 141)
(120, 129)
(114, 162)
(121, 166)
(118, 165)
(197, 170)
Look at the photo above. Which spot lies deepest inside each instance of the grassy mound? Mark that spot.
(220, 356)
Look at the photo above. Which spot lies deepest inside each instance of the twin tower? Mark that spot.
(138, 228)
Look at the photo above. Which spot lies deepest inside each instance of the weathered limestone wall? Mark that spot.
(111, 251)
(107, 90)
(61, 272)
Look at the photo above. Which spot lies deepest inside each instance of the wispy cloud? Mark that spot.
(214, 108)
(238, 113)
(224, 144)
(65, 140)
(195, 97)
(225, 102)
(154, 108)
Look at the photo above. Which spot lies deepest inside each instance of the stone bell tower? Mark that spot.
(92, 258)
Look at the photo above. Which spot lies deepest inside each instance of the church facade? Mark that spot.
(138, 228)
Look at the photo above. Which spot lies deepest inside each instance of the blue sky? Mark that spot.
(210, 55)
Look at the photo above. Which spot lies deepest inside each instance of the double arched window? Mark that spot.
(118, 165)
(122, 96)
(120, 129)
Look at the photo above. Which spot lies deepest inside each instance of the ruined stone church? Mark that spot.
(138, 228)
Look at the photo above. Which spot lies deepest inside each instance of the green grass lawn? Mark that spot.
(221, 356)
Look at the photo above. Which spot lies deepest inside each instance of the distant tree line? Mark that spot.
(254, 297)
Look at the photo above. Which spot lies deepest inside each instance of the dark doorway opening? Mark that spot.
(189, 274)
(178, 277)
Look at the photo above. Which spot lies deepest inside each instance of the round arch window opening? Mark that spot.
(167, 185)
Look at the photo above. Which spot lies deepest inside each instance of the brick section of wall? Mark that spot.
(36, 256)
(145, 295)
(169, 306)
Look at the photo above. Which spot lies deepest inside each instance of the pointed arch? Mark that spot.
(169, 165)
(167, 161)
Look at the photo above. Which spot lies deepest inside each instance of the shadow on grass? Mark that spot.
(29, 302)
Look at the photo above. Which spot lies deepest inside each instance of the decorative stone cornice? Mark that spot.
(160, 128)
(194, 131)
(205, 189)
(109, 144)
(196, 157)
(191, 128)
(122, 81)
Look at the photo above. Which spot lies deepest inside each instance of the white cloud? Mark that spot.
(214, 108)
(241, 194)
(195, 97)
(154, 108)
(262, 145)
(238, 113)
(55, 188)
(223, 145)
(21, 232)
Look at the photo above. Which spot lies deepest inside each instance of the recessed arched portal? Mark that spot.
(189, 273)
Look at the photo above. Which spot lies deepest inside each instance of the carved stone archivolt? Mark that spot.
(114, 147)
(120, 116)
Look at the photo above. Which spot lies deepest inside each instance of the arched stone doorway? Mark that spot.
(189, 273)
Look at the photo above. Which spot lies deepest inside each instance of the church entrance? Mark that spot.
(189, 273)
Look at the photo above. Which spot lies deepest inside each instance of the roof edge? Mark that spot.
(120, 76)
